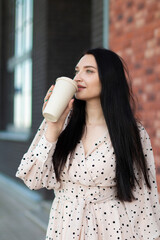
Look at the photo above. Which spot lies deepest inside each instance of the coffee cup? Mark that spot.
(63, 91)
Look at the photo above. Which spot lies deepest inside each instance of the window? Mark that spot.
(16, 81)
(21, 65)
(22, 94)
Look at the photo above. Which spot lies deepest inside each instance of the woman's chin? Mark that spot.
(79, 97)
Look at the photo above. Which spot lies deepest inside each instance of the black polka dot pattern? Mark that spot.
(86, 206)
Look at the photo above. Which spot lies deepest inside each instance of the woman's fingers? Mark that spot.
(49, 93)
(70, 105)
(44, 105)
(47, 96)
(67, 110)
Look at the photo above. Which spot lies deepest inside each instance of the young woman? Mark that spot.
(98, 159)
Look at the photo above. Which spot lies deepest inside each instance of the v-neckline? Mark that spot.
(98, 142)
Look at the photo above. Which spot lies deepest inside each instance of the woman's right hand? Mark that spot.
(54, 128)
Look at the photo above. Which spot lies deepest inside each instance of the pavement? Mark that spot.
(23, 213)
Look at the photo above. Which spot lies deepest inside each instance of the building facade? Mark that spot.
(135, 34)
(42, 40)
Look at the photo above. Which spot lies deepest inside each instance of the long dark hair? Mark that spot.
(118, 108)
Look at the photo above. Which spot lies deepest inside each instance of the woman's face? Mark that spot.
(87, 78)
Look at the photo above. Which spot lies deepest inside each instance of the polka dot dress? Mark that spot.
(86, 206)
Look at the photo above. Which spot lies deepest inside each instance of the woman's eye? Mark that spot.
(89, 71)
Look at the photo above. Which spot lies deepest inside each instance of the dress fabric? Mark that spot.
(85, 205)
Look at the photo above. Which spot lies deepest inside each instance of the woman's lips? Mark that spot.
(80, 88)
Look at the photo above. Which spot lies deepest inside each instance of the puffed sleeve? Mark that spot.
(36, 167)
(144, 212)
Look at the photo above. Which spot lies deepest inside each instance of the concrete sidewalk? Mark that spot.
(23, 213)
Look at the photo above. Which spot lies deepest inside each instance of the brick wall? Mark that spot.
(135, 35)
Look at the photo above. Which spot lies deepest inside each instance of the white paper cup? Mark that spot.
(63, 91)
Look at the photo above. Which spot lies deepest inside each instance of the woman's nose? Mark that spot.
(77, 77)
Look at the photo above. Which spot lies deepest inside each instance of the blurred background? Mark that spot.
(41, 40)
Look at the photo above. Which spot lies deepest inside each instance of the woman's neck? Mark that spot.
(94, 113)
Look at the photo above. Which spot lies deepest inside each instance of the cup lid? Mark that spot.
(68, 80)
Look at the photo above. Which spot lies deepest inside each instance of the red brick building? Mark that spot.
(134, 33)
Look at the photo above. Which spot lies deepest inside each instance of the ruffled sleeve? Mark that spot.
(144, 212)
(36, 167)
